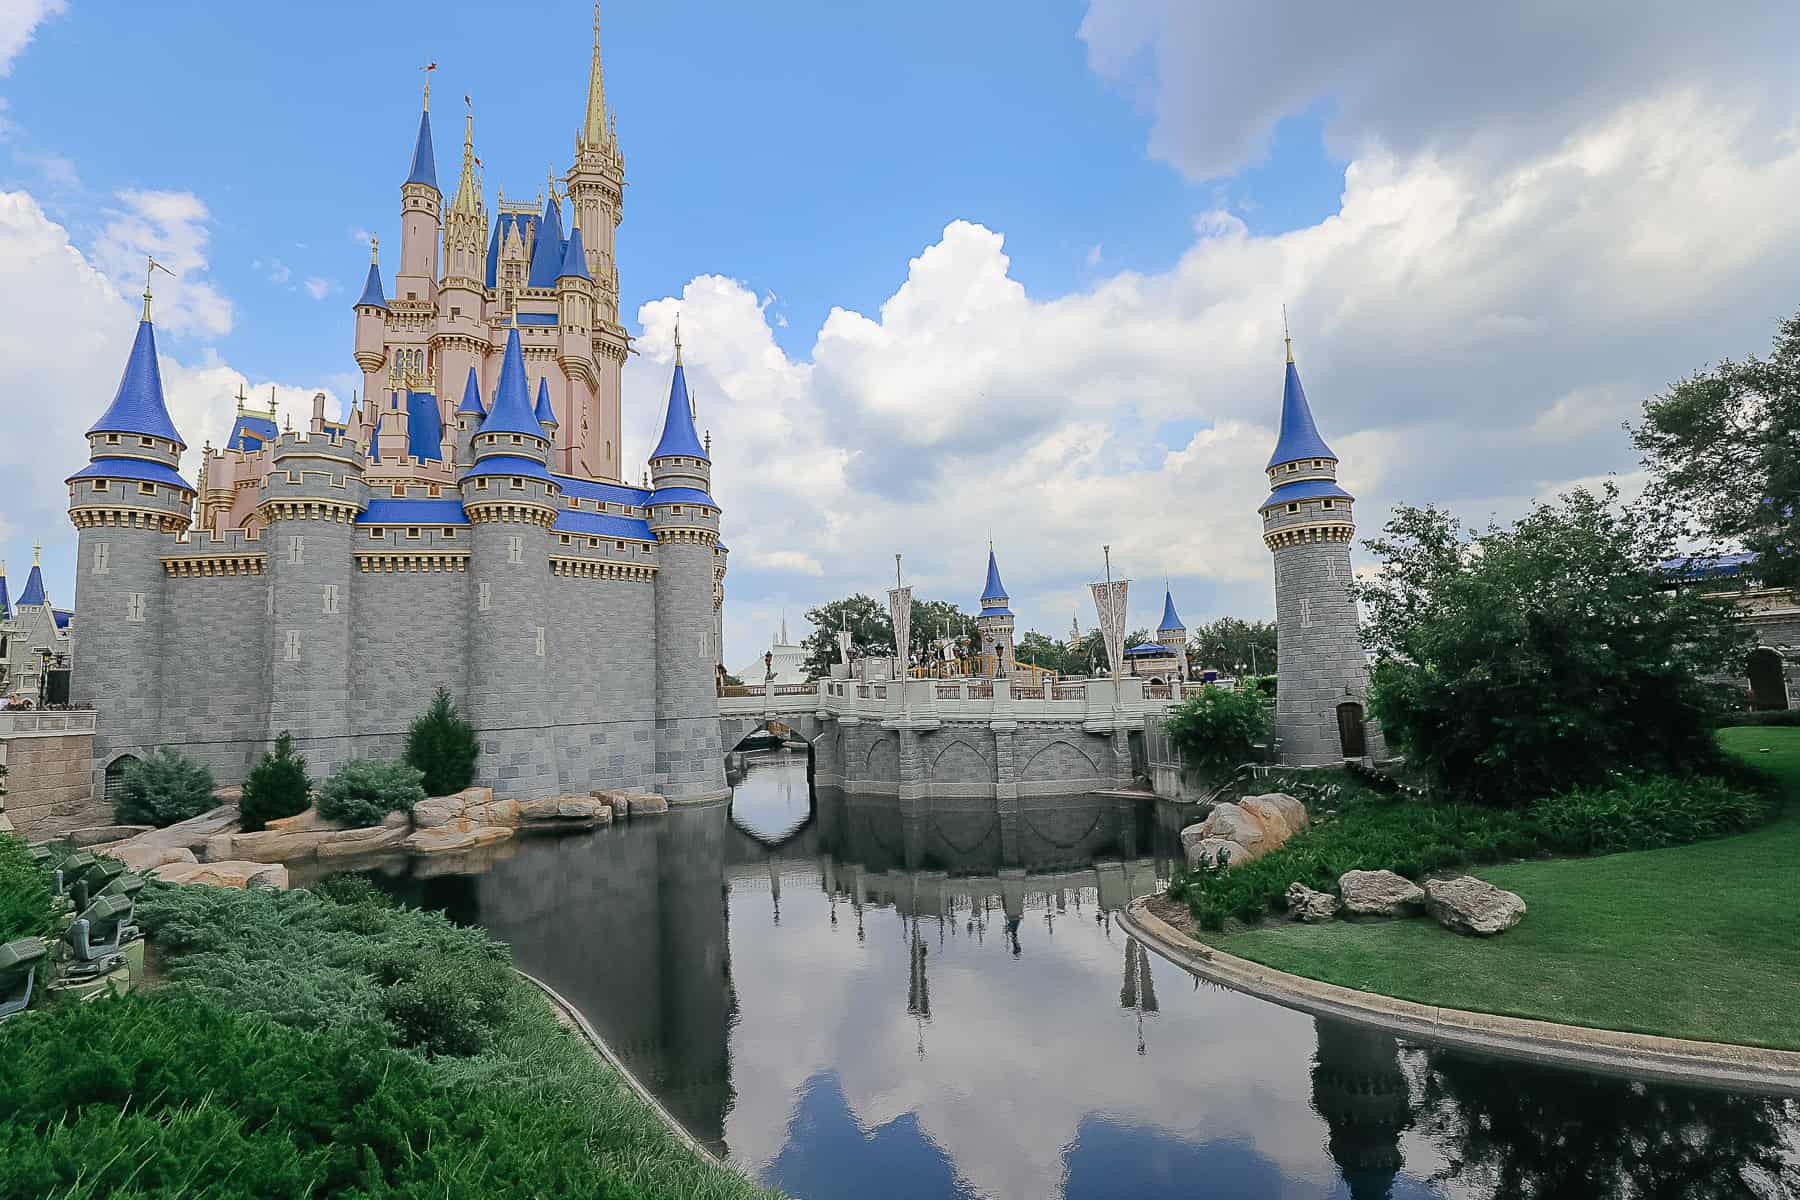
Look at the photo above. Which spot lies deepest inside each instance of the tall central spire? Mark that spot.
(593, 130)
(468, 192)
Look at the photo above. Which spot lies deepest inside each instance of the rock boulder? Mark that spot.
(1379, 894)
(238, 875)
(1470, 905)
(1256, 824)
(147, 858)
(1304, 904)
(1212, 852)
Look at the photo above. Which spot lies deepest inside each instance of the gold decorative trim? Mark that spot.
(88, 517)
(687, 533)
(595, 568)
(389, 562)
(1307, 534)
(216, 564)
(481, 512)
(338, 511)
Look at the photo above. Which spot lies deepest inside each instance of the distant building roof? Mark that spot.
(401, 510)
(530, 318)
(1305, 489)
(593, 524)
(62, 617)
(1708, 566)
(1299, 436)
(471, 400)
(34, 587)
(681, 495)
(574, 263)
(1149, 649)
(547, 251)
(251, 432)
(993, 589)
(509, 464)
(424, 427)
(140, 469)
(138, 406)
(1170, 618)
(424, 163)
(5, 602)
(995, 610)
(606, 493)
(544, 413)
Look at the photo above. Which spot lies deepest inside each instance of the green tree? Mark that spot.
(1216, 729)
(362, 791)
(163, 789)
(1520, 661)
(1040, 650)
(1723, 450)
(276, 787)
(443, 746)
(871, 629)
(1234, 646)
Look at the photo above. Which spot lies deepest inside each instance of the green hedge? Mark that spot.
(363, 791)
(1779, 716)
(163, 789)
(1372, 831)
(25, 898)
(277, 786)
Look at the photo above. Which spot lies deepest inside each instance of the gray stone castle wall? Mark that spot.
(689, 757)
(1321, 664)
(604, 679)
(215, 686)
(968, 760)
(116, 643)
(509, 646)
(309, 637)
(402, 649)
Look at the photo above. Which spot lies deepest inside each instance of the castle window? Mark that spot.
(564, 539)
(399, 489)
(455, 312)
(593, 543)
(1305, 612)
(331, 599)
(518, 485)
(517, 440)
(413, 533)
(435, 490)
(375, 533)
(112, 439)
(540, 641)
(449, 535)
(481, 485)
(484, 598)
(146, 489)
(293, 645)
(1293, 466)
(134, 607)
(144, 441)
(676, 509)
(1319, 463)
(1293, 508)
(515, 549)
(296, 550)
(621, 545)
(100, 485)
(102, 559)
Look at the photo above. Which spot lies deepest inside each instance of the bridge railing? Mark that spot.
(974, 698)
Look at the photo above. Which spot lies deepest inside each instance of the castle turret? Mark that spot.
(421, 219)
(545, 414)
(308, 503)
(511, 502)
(1321, 693)
(1172, 634)
(685, 518)
(547, 247)
(595, 185)
(469, 415)
(995, 620)
(127, 505)
(460, 338)
(371, 323)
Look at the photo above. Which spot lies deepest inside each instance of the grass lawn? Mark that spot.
(1693, 941)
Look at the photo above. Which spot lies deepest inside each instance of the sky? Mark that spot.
(948, 272)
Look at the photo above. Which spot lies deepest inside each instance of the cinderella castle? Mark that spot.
(467, 526)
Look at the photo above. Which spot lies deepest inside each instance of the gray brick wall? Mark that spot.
(118, 662)
(215, 695)
(309, 649)
(1321, 664)
(604, 679)
(507, 674)
(689, 758)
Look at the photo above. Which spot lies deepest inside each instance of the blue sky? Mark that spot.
(949, 270)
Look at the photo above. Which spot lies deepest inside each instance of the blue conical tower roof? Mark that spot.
(545, 414)
(994, 589)
(1170, 618)
(512, 411)
(138, 406)
(678, 435)
(1299, 436)
(547, 251)
(372, 294)
(424, 163)
(574, 261)
(471, 401)
(34, 588)
(5, 604)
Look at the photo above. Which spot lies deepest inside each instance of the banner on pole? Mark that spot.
(900, 611)
(1109, 603)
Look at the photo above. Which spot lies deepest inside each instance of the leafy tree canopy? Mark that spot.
(1519, 661)
(1233, 646)
(1723, 450)
(872, 631)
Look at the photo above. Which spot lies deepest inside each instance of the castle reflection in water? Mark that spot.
(634, 925)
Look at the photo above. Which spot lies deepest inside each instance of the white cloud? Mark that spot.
(1469, 334)
(317, 287)
(174, 228)
(19, 19)
(1504, 80)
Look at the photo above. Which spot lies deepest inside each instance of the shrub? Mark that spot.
(362, 791)
(1216, 729)
(1645, 813)
(442, 1006)
(25, 900)
(277, 786)
(163, 789)
(1780, 716)
(443, 746)
(350, 889)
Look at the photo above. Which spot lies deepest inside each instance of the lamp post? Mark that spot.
(43, 678)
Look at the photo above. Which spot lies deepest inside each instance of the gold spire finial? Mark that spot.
(37, 548)
(594, 126)
(428, 68)
(678, 339)
(240, 397)
(553, 181)
(1285, 337)
(151, 266)
(374, 249)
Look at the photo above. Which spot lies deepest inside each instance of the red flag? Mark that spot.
(431, 66)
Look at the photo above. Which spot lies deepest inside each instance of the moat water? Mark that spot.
(848, 1003)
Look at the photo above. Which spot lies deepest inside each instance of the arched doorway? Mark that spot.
(1350, 729)
(1768, 682)
(115, 775)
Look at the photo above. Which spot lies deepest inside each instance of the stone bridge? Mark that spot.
(972, 739)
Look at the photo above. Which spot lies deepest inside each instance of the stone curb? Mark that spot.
(599, 1046)
(1673, 1060)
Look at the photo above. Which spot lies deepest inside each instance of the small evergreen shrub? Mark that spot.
(363, 791)
(1645, 813)
(350, 889)
(277, 786)
(443, 746)
(163, 789)
(25, 900)
(441, 1006)
(1216, 729)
